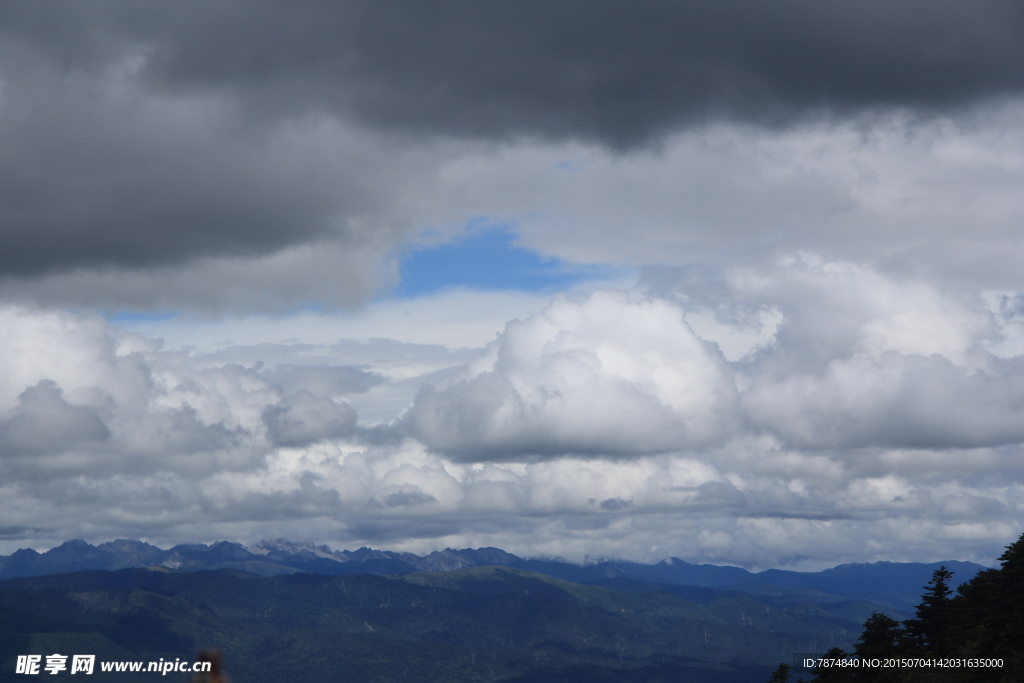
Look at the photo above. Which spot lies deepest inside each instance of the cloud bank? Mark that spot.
(865, 412)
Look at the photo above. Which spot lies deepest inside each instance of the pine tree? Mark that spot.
(985, 620)
(974, 606)
(931, 633)
(992, 609)
(781, 674)
(882, 638)
(1005, 622)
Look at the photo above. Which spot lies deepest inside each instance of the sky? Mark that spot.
(734, 282)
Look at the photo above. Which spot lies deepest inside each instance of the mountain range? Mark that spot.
(894, 586)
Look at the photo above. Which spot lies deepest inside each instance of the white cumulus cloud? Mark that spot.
(606, 376)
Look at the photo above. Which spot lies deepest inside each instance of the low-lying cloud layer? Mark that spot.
(863, 412)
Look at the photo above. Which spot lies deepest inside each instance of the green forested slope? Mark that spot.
(480, 624)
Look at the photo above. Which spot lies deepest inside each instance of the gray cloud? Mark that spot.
(407, 498)
(43, 423)
(146, 138)
(87, 402)
(307, 500)
(915, 402)
(119, 194)
(717, 495)
(864, 406)
(322, 379)
(610, 71)
(614, 504)
(302, 419)
(99, 173)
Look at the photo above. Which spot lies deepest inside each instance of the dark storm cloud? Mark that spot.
(92, 177)
(141, 134)
(100, 170)
(618, 72)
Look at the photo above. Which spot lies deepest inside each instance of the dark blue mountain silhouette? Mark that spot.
(895, 584)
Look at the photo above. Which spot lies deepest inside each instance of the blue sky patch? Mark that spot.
(488, 260)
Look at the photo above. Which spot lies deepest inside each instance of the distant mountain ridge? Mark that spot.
(894, 583)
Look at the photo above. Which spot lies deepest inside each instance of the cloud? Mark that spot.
(303, 418)
(125, 196)
(43, 423)
(867, 414)
(336, 275)
(122, 177)
(88, 401)
(322, 379)
(843, 357)
(603, 377)
(915, 402)
(866, 359)
(916, 198)
(609, 71)
(266, 155)
(402, 497)
(826, 359)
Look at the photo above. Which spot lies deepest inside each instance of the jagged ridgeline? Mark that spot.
(972, 634)
(296, 612)
(892, 584)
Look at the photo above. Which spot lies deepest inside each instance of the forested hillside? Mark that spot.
(972, 635)
(479, 624)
